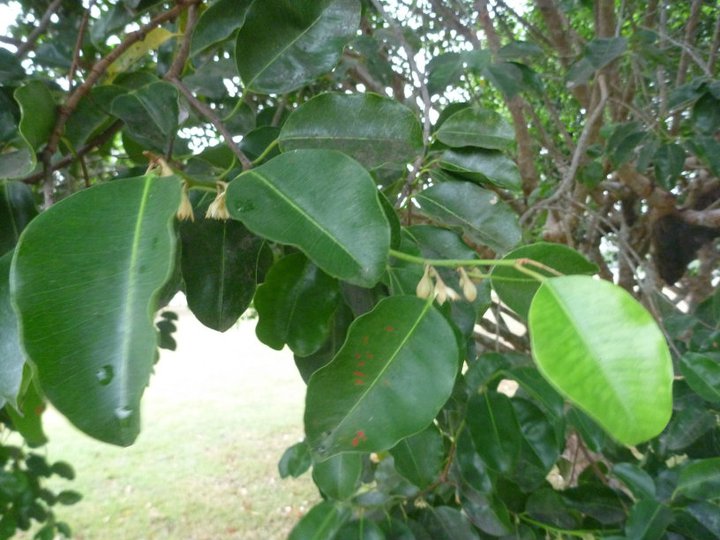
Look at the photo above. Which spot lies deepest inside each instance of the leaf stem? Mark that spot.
(518, 264)
(266, 152)
(578, 533)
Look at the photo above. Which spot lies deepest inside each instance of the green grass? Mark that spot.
(217, 416)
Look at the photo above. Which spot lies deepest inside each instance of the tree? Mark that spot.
(414, 196)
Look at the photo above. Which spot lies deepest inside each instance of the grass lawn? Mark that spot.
(217, 416)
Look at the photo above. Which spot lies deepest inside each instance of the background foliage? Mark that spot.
(402, 188)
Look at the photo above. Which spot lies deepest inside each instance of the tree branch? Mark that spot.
(178, 64)
(210, 115)
(78, 44)
(42, 25)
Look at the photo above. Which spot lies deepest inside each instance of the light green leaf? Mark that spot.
(17, 208)
(285, 44)
(702, 373)
(373, 129)
(602, 350)
(85, 277)
(12, 358)
(338, 477)
(321, 522)
(483, 166)
(152, 41)
(472, 127)
(478, 212)
(360, 402)
(420, 458)
(222, 262)
(218, 22)
(700, 480)
(150, 114)
(517, 289)
(27, 419)
(295, 305)
(317, 200)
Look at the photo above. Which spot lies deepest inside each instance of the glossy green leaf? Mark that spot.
(477, 127)
(92, 114)
(686, 427)
(285, 44)
(12, 358)
(218, 22)
(548, 506)
(85, 277)
(698, 521)
(706, 114)
(362, 400)
(486, 512)
(700, 480)
(295, 460)
(373, 129)
(601, 349)
(446, 523)
(295, 305)
(258, 140)
(444, 70)
(17, 208)
(338, 477)
(598, 53)
(538, 388)
(669, 161)
(702, 373)
(648, 520)
(517, 289)
(420, 457)
(321, 522)
(636, 479)
(483, 166)
(222, 262)
(508, 77)
(495, 430)
(544, 440)
(360, 529)
(38, 111)
(150, 114)
(317, 200)
(479, 213)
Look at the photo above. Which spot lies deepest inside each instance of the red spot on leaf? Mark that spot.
(358, 373)
(355, 441)
(369, 355)
(365, 340)
(389, 328)
(358, 356)
(358, 438)
(359, 382)
(40, 409)
(361, 364)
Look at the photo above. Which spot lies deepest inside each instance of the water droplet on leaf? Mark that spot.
(105, 374)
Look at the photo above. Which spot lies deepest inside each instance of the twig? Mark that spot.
(97, 71)
(78, 44)
(579, 153)
(101, 139)
(178, 64)
(42, 25)
(10, 41)
(715, 46)
(208, 113)
(424, 95)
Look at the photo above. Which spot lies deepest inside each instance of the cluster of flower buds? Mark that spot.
(218, 208)
(432, 284)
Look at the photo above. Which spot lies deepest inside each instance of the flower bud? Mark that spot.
(185, 211)
(425, 286)
(468, 287)
(218, 208)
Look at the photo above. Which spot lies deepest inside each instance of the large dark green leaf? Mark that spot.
(420, 458)
(444, 70)
(446, 523)
(495, 430)
(85, 278)
(17, 208)
(10, 69)
(517, 289)
(338, 477)
(478, 212)
(285, 44)
(700, 480)
(636, 479)
(218, 22)
(598, 53)
(476, 127)
(538, 388)
(150, 114)
(321, 522)
(373, 129)
(602, 350)
(702, 373)
(669, 161)
(295, 305)
(12, 358)
(222, 262)
(317, 200)
(648, 520)
(486, 512)
(483, 166)
(360, 402)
